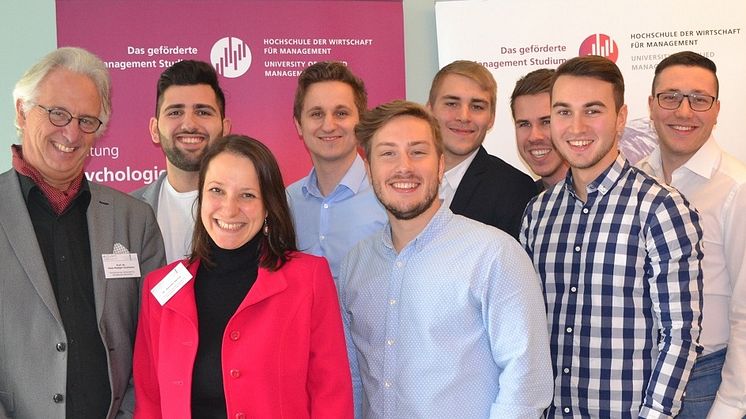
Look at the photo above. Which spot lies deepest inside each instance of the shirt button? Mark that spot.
(240, 415)
(235, 335)
(321, 237)
(569, 330)
(387, 384)
(60, 347)
(573, 289)
(63, 258)
(392, 301)
(566, 410)
(390, 342)
(577, 248)
(585, 210)
(566, 370)
(399, 264)
(235, 373)
(326, 205)
(58, 398)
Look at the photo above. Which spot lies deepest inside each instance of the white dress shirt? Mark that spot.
(453, 177)
(715, 183)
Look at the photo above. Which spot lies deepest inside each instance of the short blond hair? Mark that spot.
(472, 71)
(373, 120)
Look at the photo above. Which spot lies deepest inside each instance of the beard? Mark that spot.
(184, 161)
(402, 212)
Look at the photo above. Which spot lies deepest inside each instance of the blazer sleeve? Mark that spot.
(329, 383)
(147, 389)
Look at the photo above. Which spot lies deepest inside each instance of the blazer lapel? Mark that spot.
(470, 182)
(267, 284)
(22, 238)
(101, 221)
(184, 302)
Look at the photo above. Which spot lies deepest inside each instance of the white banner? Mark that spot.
(512, 38)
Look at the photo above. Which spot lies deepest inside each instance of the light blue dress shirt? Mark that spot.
(451, 327)
(330, 226)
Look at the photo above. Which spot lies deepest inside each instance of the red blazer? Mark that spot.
(283, 353)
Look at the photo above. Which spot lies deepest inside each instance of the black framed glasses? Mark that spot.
(60, 117)
(697, 101)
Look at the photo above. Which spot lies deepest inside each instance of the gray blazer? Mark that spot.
(32, 370)
(151, 193)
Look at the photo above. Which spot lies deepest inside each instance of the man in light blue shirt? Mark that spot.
(333, 207)
(444, 315)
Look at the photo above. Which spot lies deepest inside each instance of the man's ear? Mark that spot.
(367, 166)
(227, 125)
(154, 133)
(20, 114)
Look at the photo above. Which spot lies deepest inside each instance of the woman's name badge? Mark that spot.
(171, 283)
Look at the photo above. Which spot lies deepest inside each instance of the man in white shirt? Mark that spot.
(684, 108)
(189, 115)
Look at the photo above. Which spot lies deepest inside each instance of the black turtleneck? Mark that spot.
(218, 290)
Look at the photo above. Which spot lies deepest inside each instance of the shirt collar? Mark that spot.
(427, 235)
(653, 164)
(27, 185)
(352, 180)
(702, 163)
(606, 180)
(457, 172)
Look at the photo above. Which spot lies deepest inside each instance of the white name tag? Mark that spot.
(121, 265)
(171, 283)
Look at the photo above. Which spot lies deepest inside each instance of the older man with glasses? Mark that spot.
(689, 159)
(73, 253)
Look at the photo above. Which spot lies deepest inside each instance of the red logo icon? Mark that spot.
(599, 44)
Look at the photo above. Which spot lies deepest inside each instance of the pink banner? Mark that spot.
(258, 47)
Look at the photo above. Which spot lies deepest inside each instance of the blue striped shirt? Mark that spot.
(622, 281)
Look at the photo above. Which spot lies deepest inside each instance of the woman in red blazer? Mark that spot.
(247, 327)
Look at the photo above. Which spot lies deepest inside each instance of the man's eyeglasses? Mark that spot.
(60, 118)
(697, 102)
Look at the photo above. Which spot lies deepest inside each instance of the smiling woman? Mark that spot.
(258, 328)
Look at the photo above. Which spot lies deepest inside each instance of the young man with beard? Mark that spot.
(619, 257)
(334, 206)
(189, 115)
(689, 159)
(476, 184)
(530, 106)
(444, 315)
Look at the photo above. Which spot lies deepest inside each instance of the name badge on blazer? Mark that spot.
(121, 265)
(171, 283)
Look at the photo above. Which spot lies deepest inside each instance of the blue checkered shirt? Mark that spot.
(622, 280)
